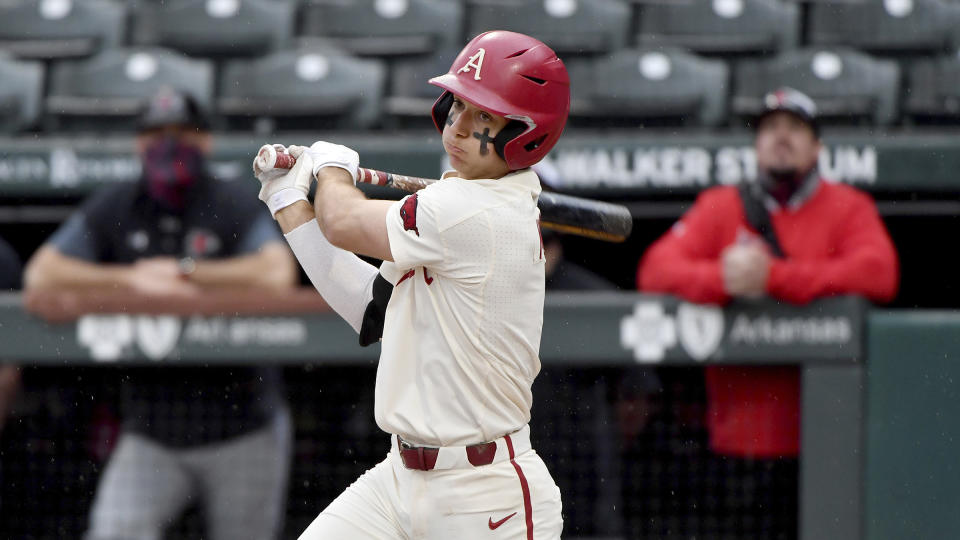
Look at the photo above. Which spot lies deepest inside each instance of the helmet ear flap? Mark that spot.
(511, 131)
(441, 109)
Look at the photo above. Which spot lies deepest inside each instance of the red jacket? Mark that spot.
(835, 243)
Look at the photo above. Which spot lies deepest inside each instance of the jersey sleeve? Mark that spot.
(414, 230)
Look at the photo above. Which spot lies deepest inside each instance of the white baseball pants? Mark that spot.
(512, 498)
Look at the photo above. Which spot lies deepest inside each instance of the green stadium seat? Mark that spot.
(386, 27)
(848, 86)
(933, 90)
(21, 94)
(301, 88)
(650, 85)
(108, 90)
(51, 29)
(721, 26)
(216, 28)
(887, 26)
(570, 27)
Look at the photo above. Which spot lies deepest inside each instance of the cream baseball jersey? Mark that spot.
(461, 331)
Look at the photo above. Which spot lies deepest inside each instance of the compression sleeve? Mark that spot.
(344, 280)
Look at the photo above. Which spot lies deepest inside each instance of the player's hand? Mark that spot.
(292, 185)
(159, 276)
(746, 268)
(326, 154)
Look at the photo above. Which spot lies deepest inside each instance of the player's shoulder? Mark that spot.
(453, 200)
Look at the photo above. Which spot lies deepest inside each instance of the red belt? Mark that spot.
(424, 458)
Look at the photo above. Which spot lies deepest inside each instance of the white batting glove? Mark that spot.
(326, 154)
(279, 192)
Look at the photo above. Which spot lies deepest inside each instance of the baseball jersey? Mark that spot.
(175, 405)
(461, 329)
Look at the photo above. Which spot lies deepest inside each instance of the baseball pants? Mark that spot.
(241, 484)
(514, 497)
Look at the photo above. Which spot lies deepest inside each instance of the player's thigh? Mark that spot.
(141, 491)
(367, 509)
(506, 500)
(244, 481)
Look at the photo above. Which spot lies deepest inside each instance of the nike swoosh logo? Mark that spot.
(494, 524)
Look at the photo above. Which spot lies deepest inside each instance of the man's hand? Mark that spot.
(326, 154)
(746, 267)
(159, 276)
(280, 187)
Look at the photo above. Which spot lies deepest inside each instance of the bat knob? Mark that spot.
(271, 157)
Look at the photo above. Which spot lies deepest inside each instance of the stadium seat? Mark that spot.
(721, 26)
(216, 28)
(21, 92)
(933, 90)
(107, 91)
(650, 85)
(386, 27)
(847, 85)
(301, 87)
(50, 29)
(570, 27)
(410, 96)
(887, 26)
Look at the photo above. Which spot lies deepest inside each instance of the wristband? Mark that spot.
(284, 198)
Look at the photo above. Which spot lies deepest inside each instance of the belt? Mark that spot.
(428, 458)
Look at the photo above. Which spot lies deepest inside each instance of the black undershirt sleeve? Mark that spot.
(371, 330)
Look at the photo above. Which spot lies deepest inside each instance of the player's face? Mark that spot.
(468, 140)
(786, 143)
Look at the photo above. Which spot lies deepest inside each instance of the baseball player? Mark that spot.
(458, 303)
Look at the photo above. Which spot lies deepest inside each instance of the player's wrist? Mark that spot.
(284, 198)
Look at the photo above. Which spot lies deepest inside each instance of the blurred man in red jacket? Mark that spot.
(792, 236)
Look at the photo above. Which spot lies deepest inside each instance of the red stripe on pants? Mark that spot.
(527, 506)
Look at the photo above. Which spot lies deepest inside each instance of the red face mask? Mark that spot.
(170, 169)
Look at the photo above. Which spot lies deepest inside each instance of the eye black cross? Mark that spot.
(484, 139)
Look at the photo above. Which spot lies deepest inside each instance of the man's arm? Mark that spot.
(270, 268)
(348, 219)
(684, 261)
(865, 263)
(49, 269)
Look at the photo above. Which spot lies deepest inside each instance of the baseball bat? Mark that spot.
(564, 213)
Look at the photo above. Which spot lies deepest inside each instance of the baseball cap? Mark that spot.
(792, 101)
(170, 106)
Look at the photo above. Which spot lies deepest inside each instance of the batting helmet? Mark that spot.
(517, 77)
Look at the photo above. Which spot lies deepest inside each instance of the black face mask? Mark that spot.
(170, 169)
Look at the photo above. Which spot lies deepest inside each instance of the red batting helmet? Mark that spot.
(517, 77)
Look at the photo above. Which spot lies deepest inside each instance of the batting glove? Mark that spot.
(326, 154)
(279, 192)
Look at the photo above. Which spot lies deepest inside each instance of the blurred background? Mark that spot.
(665, 93)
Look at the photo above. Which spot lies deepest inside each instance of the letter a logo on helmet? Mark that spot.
(523, 80)
(475, 62)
